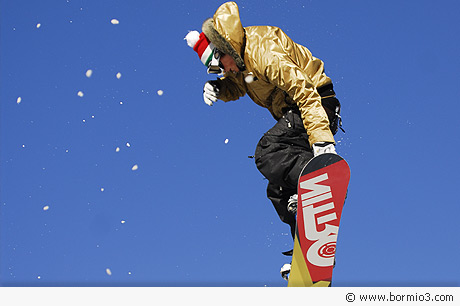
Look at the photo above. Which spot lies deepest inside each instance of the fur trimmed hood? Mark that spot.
(225, 31)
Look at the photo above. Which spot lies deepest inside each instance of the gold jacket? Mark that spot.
(285, 73)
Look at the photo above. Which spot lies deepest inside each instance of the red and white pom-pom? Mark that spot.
(192, 38)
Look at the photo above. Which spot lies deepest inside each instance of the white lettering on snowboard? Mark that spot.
(321, 252)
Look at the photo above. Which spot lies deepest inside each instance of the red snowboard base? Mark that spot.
(322, 191)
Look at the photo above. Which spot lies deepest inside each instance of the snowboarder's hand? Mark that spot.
(210, 92)
(323, 147)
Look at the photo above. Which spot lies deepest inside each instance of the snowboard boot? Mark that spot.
(285, 270)
(292, 204)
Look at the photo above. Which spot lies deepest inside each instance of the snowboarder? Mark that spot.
(285, 78)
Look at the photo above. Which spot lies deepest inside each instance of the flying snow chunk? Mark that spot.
(89, 73)
(160, 92)
(115, 21)
(108, 271)
(39, 25)
(80, 94)
(18, 100)
(123, 221)
(45, 208)
(117, 149)
(135, 167)
(128, 144)
(249, 78)
(102, 189)
(118, 75)
(226, 141)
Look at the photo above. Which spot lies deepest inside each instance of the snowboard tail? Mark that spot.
(322, 190)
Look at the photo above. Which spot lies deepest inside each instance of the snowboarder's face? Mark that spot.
(229, 63)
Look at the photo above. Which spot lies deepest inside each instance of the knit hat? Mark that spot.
(205, 49)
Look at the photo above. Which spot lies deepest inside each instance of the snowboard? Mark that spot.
(322, 190)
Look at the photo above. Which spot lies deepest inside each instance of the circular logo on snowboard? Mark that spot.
(327, 250)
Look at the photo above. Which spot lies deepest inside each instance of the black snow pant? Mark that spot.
(280, 156)
(284, 150)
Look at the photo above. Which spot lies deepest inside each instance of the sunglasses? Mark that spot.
(215, 66)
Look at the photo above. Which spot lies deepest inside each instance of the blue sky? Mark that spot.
(74, 211)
